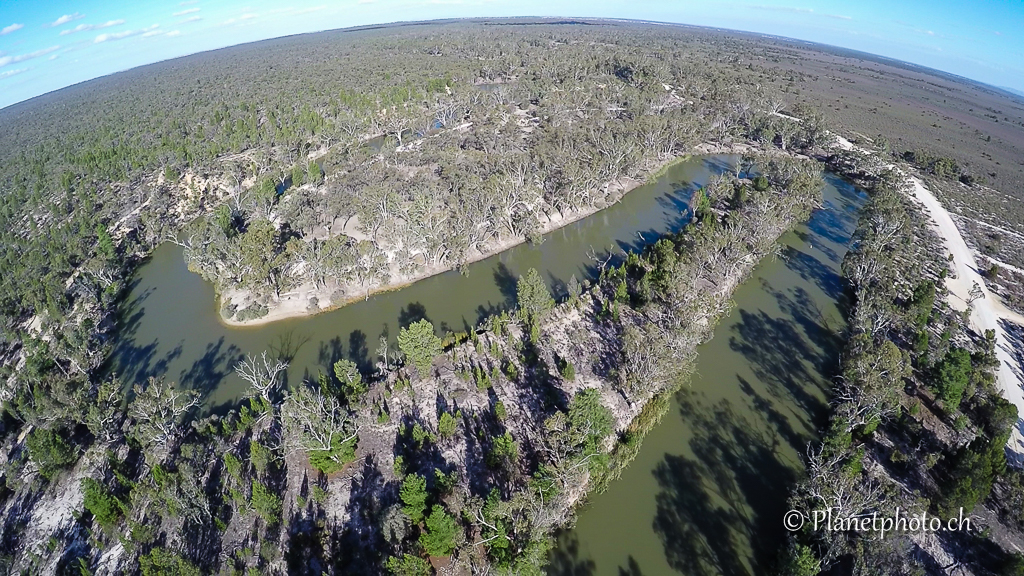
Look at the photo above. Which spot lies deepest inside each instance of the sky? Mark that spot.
(46, 45)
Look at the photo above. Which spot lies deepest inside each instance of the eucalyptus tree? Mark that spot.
(319, 425)
(159, 412)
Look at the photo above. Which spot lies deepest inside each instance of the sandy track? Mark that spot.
(987, 313)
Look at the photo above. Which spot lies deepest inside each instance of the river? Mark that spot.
(170, 326)
(707, 492)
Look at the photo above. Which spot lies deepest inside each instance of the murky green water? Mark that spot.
(171, 327)
(707, 492)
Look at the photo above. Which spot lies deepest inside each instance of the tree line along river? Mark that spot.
(707, 491)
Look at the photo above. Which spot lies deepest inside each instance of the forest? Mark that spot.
(301, 168)
(917, 421)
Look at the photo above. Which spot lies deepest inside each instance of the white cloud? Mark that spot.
(241, 18)
(125, 34)
(5, 60)
(782, 8)
(10, 73)
(88, 27)
(174, 33)
(54, 57)
(192, 19)
(184, 12)
(12, 28)
(308, 10)
(67, 18)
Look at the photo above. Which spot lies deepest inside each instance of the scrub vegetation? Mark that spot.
(303, 172)
(917, 421)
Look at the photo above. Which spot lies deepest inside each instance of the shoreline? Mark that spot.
(986, 313)
(298, 308)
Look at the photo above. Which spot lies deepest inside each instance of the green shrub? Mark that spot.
(586, 412)
(142, 533)
(952, 374)
(233, 465)
(104, 507)
(419, 344)
(319, 494)
(163, 562)
(504, 451)
(260, 456)
(352, 385)
(447, 425)
(533, 297)
(760, 183)
(922, 302)
(340, 454)
(49, 451)
(445, 482)
(482, 379)
(420, 435)
(970, 480)
(439, 537)
(266, 503)
(567, 370)
(499, 411)
(511, 371)
(252, 312)
(298, 175)
(409, 565)
(414, 497)
(801, 561)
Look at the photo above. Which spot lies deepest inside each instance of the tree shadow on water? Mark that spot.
(825, 332)
(358, 351)
(411, 314)
(330, 352)
(718, 511)
(832, 224)
(813, 270)
(779, 357)
(208, 372)
(286, 346)
(632, 568)
(506, 283)
(333, 350)
(131, 361)
(565, 557)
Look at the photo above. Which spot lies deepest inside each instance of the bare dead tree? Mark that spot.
(261, 373)
(158, 411)
(316, 422)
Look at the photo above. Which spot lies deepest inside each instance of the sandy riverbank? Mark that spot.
(295, 303)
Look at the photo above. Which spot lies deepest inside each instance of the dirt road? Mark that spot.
(987, 313)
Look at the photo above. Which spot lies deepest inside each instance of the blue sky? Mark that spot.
(46, 45)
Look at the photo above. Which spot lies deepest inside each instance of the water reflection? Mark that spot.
(170, 327)
(707, 491)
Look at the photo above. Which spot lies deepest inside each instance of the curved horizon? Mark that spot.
(44, 49)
